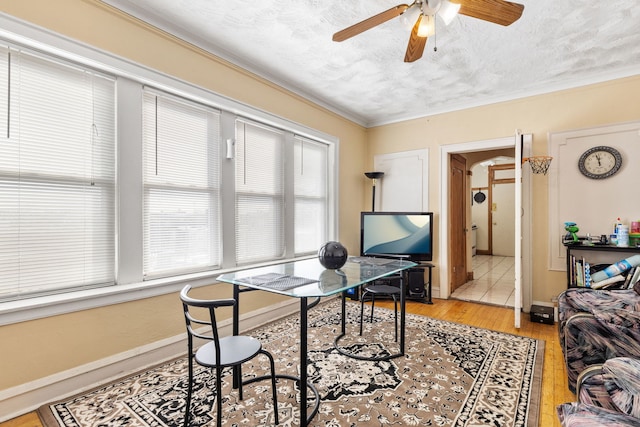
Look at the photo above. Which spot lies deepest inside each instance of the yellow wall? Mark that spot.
(38, 348)
(59, 343)
(584, 107)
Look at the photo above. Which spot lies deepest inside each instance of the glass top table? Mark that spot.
(309, 279)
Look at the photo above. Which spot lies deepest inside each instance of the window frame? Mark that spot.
(62, 176)
(130, 284)
(207, 186)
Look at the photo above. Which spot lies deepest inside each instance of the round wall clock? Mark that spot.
(600, 162)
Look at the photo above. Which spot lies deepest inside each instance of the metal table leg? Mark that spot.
(403, 305)
(305, 418)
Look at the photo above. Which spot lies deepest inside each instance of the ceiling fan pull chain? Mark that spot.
(435, 34)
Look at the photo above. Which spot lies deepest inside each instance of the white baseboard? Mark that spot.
(30, 396)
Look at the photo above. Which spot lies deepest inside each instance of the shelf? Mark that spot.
(602, 248)
(592, 254)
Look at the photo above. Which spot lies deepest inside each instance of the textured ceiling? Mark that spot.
(556, 44)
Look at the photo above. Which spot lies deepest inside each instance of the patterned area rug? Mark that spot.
(452, 375)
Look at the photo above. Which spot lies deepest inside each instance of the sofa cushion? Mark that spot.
(621, 378)
(580, 415)
(624, 319)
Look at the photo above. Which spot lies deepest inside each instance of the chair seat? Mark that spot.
(372, 291)
(382, 289)
(233, 351)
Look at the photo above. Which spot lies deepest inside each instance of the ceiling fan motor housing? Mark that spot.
(431, 7)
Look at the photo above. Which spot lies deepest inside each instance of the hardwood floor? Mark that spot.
(554, 379)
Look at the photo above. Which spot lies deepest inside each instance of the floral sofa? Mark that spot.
(597, 325)
(608, 395)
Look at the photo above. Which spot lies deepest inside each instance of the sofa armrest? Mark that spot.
(591, 339)
(621, 377)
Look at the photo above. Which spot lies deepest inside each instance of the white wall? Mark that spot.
(593, 204)
(480, 211)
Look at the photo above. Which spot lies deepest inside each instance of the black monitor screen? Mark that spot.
(397, 233)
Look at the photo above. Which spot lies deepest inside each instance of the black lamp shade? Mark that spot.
(374, 175)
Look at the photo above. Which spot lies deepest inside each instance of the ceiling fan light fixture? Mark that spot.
(448, 11)
(427, 26)
(409, 16)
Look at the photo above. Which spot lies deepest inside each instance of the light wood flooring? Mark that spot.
(554, 382)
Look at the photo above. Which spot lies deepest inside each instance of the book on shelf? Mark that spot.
(627, 278)
(586, 272)
(580, 273)
(635, 277)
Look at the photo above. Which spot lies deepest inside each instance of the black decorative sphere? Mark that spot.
(332, 255)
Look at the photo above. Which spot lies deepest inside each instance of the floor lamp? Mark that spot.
(374, 176)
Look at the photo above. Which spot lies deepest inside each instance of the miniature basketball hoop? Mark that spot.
(539, 164)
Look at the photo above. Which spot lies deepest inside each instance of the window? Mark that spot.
(259, 193)
(265, 230)
(57, 176)
(85, 204)
(310, 192)
(181, 186)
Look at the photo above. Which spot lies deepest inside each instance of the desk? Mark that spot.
(309, 279)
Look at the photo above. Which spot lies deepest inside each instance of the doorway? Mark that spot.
(492, 270)
(476, 149)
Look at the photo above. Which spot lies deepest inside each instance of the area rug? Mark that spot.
(452, 375)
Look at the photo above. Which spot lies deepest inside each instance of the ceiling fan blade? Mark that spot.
(497, 11)
(369, 23)
(416, 44)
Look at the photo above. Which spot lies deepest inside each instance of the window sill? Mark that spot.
(52, 305)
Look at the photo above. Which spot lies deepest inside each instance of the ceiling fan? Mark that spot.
(421, 15)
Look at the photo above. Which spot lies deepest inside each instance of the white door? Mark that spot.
(517, 306)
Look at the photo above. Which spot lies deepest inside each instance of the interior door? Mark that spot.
(517, 306)
(457, 228)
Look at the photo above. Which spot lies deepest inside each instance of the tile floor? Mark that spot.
(492, 283)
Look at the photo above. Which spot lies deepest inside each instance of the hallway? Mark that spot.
(493, 281)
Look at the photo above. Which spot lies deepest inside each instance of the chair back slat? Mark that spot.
(191, 319)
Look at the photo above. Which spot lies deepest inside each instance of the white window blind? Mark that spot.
(259, 193)
(310, 192)
(57, 176)
(181, 185)
(4, 93)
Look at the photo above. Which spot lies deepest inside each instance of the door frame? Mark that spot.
(467, 147)
(492, 181)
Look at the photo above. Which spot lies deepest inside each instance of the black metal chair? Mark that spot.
(381, 290)
(219, 352)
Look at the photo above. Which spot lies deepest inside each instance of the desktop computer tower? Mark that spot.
(415, 283)
(353, 293)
